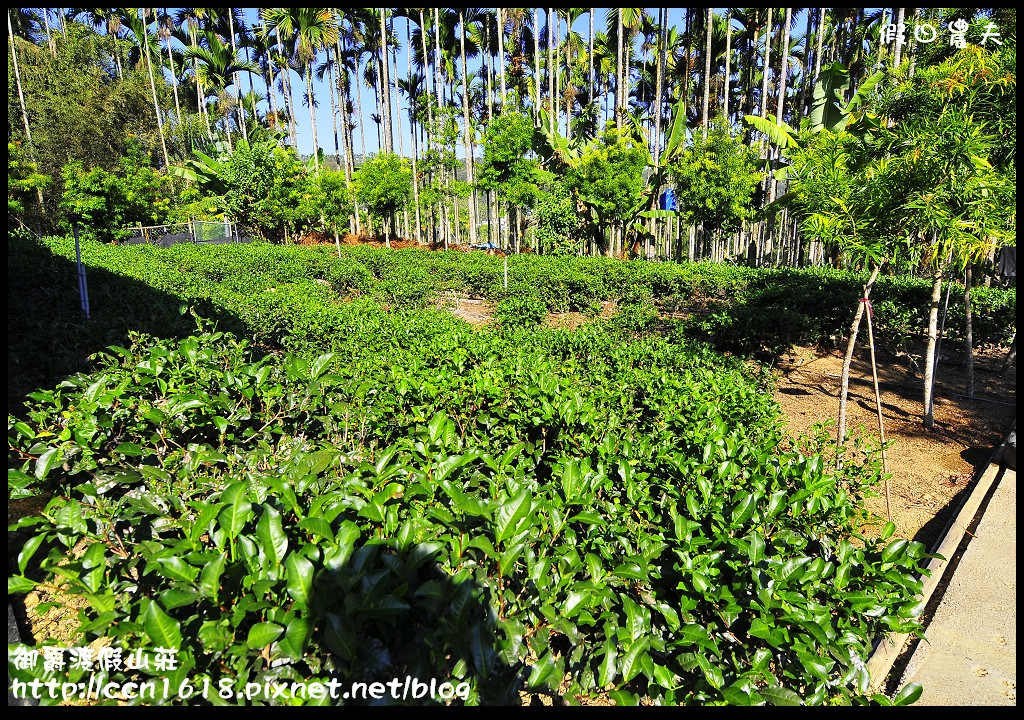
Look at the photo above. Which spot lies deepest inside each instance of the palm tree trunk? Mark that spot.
(591, 84)
(396, 116)
(929, 368)
(662, 22)
(426, 77)
(913, 45)
(334, 106)
(558, 69)
(536, 65)
(804, 74)
(781, 106)
(389, 139)
(747, 101)
(412, 130)
(821, 40)
(501, 54)
(234, 76)
(728, 52)
(49, 37)
(552, 105)
(271, 88)
(766, 66)
(486, 63)
(467, 130)
(200, 98)
(312, 115)
(17, 78)
(174, 78)
(437, 56)
(686, 72)
(619, 74)
(707, 70)
(359, 109)
(152, 84)
(898, 52)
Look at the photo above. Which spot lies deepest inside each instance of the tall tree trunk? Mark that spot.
(271, 85)
(312, 115)
(897, 56)
(707, 70)
(17, 79)
(688, 22)
(334, 105)
(49, 37)
(805, 74)
(781, 106)
(359, 111)
(412, 131)
(619, 74)
(385, 84)
(659, 77)
(174, 78)
(501, 54)
(821, 40)
(487, 62)
(467, 130)
(200, 98)
(536, 66)
(152, 84)
(234, 76)
(728, 59)
(930, 359)
(969, 333)
(426, 78)
(767, 65)
(552, 104)
(913, 45)
(397, 106)
(848, 359)
(591, 81)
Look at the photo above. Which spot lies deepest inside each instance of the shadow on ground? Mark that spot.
(48, 336)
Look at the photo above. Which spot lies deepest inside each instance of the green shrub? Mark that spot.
(520, 311)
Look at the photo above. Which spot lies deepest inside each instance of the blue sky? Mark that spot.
(323, 112)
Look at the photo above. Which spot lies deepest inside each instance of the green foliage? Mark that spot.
(506, 168)
(715, 179)
(520, 311)
(335, 199)
(23, 178)
(81, 111)
(559, 228)
(395, 493)
(383, 185)
(269, 190)
(625, 520)
(107, 202)
(608, 178)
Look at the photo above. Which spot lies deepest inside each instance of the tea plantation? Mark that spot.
(291, 466)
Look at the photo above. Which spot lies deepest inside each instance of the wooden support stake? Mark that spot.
(878, 407)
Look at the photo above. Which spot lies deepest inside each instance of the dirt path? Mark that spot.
(930, 469)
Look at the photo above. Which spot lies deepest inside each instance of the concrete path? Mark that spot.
(969, 654)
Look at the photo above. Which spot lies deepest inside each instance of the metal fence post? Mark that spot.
(83, 288)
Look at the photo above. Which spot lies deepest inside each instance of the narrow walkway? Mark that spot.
(969, 654)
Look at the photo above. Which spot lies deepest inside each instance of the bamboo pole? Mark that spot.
(878, 408)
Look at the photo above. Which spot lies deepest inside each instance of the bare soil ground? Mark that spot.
(931, 469)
